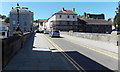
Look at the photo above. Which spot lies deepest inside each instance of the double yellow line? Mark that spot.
(88, 47)
(72, 61)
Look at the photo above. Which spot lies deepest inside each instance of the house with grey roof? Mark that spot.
(94, 24)
(63, 20)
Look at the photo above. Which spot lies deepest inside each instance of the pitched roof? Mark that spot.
(67, 12)
(97, 21)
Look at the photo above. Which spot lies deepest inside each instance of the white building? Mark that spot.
(3, 29)
(63, 20)
(42, 24)
(21, 18)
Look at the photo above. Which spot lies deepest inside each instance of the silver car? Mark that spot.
(54, 34)
(46, 32)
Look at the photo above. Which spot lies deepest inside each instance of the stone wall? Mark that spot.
(112, 38)
(0, 55)
(11, 45)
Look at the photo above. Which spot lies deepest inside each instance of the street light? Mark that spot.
(18, 17)
(116, 18)
(18, 30)
(119, 4)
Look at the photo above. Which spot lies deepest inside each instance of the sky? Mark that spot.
(44, 10)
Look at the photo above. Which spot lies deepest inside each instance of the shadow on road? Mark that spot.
(88, 64)
(29, 59)
(58, 37)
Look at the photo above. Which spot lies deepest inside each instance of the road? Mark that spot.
(86, 58)
(44, 53)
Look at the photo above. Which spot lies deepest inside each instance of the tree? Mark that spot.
(117, 19)
(7, 20)
(114, 22)
(3, 16)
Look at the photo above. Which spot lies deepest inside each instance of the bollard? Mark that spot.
(117, 43)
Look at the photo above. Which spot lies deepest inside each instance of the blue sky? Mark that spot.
(43, 10)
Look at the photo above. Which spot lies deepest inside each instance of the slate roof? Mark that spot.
(97, 21)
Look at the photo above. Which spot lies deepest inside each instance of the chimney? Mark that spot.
(85, 14)
(17, 4)
(109, 20)
(63, 9)
(73, 9)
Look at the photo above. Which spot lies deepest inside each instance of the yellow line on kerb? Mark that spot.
(83, 45)
(66, 56)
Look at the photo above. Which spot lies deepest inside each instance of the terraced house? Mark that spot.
(63, 20)
(94, 23)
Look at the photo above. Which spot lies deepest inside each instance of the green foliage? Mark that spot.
(7, 20)
(117, 20)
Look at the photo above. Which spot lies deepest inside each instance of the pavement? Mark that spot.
(109, 57)
(107, 47)
(86, 58)
(39, 54)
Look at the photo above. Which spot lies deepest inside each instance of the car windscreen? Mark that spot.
(56, 31)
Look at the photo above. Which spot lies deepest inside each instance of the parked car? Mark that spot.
(41, 31)
(54, 34)
(37, 31)
(46, 32)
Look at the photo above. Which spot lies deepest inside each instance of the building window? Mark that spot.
(60, 16)
(14, 22)
(14, 28)
(3, 33)
(68, 16)
(24, 29)
(68, 22)
(25, 23)
(59, 22)
(73, 22)
(73, 16)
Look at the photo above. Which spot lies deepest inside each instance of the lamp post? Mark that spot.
(119, 4)
(18, 30)
(18, 17)
(116, 18)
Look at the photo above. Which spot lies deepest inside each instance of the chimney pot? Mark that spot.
(63, 9)
(73, 9)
